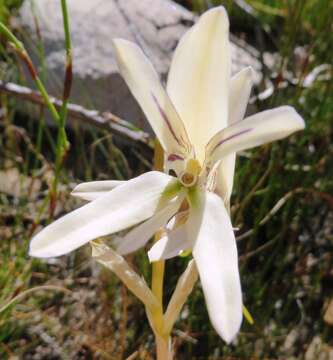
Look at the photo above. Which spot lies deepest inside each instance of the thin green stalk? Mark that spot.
(66, 26)
(43, 73)
(163, 349)
(158, 266)
(47, 99)
(11, 37)
(39, 140)
(62, 144)
(27, 292)
(19, 47)
(60, 119)
(69, 62)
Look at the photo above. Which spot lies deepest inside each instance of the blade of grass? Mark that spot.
(62, 143)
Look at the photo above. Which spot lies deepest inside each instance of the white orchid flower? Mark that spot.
(199, 123)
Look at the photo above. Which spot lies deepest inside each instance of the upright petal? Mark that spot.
(139, 236)
(215, 253)
(125, 206)
(240, 90)
(92, 190)
(199, 78)
(145, 86)
(255, 130)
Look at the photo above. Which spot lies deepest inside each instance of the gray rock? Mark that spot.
(156, 25)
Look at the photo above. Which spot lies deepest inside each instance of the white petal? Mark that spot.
(139, 236)
(94, 189)
(125, 206)
(215, 253)
(174, 239)
(199, 77)
(225, 177)
(145, 86)
(170, 245)
(240, 90)
(255, 130)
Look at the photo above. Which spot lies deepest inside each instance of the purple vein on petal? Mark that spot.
(166, 119)
(174, 157)
(187, 146)
(230, 137)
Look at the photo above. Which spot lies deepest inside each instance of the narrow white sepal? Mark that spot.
(240, 90)
(144, 83)
(255, 130)
(127, 205)
(94, 189)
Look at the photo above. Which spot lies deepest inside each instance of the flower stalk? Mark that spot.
(163, 342)
(163, 348)
(158, 266)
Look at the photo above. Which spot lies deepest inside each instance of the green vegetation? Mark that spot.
(8, 6)
(282, 202)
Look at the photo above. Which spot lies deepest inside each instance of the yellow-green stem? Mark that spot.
(158, 266)
(163, 342)
(158, 277)
(163, 348)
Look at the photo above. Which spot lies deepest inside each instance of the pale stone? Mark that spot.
(156, 25)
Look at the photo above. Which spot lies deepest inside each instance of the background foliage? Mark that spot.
(6, 7)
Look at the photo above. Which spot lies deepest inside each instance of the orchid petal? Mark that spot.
(138, 237)
(199, 77)
(94, 189)
(125, 206)
(240, 90)
(215, 254)
(145, 86)
(170, 245)
(255, 130)
(174, 239)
